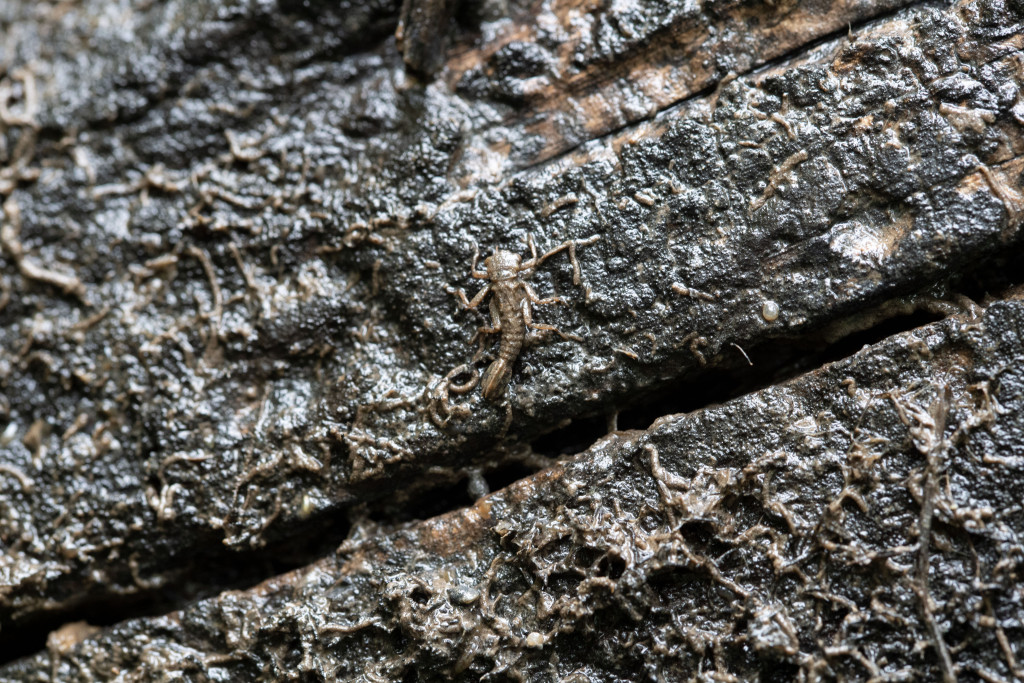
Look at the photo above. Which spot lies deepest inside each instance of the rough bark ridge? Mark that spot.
(875, 509)
(231, 233)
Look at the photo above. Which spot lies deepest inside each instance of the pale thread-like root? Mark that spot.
(439, 409)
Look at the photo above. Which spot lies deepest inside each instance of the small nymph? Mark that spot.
(511, 305)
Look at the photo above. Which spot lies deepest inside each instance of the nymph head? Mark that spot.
(503, 265)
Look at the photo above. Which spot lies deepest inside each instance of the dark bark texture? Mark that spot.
(240, 424)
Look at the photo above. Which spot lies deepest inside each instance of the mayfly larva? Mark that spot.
(512, 305)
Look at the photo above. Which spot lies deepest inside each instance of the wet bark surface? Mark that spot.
(826, 526)
(232, 239)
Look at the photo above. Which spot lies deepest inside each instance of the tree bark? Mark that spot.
(232, 239)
